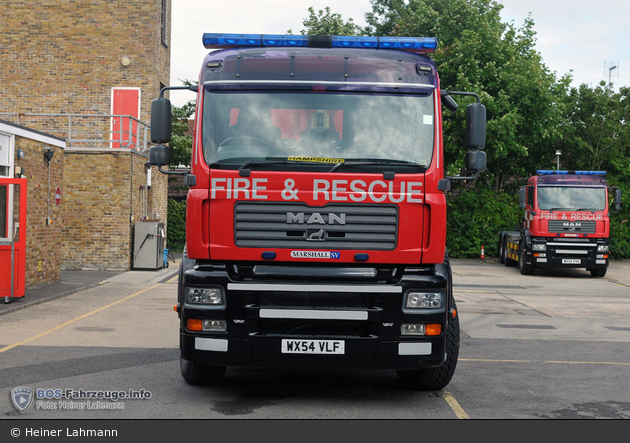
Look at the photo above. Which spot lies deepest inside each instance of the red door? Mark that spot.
(125, 104)
(12, 237)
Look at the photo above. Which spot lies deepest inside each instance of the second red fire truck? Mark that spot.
(566, 223)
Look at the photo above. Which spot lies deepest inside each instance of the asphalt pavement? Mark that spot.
(72, 281)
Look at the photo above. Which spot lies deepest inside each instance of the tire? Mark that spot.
(431, 379)
(502, 252)
(200, 374)
(522, 264)
(598, 272)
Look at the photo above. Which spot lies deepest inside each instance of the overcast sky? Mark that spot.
(578, 35)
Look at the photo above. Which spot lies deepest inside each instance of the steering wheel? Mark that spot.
(247, 141)
(248, 147)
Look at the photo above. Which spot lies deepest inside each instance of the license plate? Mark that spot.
(313, 347)
(571, 261)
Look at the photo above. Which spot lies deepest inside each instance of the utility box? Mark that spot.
(148, 245)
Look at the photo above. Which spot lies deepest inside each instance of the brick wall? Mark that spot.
(64, 57)
(106, 193)
(43, 241)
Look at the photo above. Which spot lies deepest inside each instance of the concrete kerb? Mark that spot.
(71, 282)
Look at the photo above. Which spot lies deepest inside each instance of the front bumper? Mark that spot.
(363, 317)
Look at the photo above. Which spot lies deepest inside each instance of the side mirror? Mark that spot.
(448, 101)
(161, 120)
(476, 161)
(160, 155)
(521, 198)
(476, 126)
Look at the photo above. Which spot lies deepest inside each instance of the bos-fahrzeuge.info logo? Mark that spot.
(23, 398)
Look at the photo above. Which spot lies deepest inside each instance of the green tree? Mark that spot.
(325, 22)
(477, 52)
(597, 137)
(596, 132)
(531, 113)
(181, 140)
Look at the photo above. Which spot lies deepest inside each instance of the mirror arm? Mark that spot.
(472, 94)
(472, 177)
(193, 88)
(167, 172)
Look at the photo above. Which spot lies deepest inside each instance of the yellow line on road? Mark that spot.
(63, 325)
(457, 409)
(547, 361)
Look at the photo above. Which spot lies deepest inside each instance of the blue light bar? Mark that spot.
(551, 172)
(423, 45)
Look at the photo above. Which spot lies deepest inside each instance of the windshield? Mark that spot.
(317, 127)
(567, 198)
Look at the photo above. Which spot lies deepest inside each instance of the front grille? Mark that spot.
(300, 226)
(319, 300)
(566, 226)
(311, 328)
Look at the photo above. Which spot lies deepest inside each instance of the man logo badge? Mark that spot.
(314, 234)
(22, 398)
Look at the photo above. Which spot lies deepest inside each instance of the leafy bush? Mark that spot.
(475, 218)
(176, 234)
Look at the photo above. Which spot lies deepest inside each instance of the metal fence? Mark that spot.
(86, 130)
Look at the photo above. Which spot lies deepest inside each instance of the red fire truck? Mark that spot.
(316, 215)
(566, 223)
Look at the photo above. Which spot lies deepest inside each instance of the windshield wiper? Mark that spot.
(375, 163)
(243, 171)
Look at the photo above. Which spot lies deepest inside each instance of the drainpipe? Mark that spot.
(48, 155)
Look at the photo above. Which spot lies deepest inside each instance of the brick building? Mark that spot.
(84, 74)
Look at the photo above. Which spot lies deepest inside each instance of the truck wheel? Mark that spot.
(200, 374)
(431, 379)
(522, 264)
(598, 272)
(502, 253)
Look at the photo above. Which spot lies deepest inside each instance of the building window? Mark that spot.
(6, 157)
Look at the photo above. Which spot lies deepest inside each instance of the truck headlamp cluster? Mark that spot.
(193, 324)
(206, 296)
(423, 300)
(539, 246)
(421, 329)
(602, 248)
(422, 45)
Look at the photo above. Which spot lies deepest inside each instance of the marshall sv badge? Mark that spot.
(22, 398)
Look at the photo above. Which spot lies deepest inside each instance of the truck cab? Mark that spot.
(566, 223)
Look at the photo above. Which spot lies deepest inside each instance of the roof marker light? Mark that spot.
(422, 45)
(553, 172)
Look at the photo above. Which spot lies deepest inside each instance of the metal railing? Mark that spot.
(84, 130)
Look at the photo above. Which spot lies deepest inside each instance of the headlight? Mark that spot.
(423, 300)
(602, 248)
(205, 296)
(539, 246)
